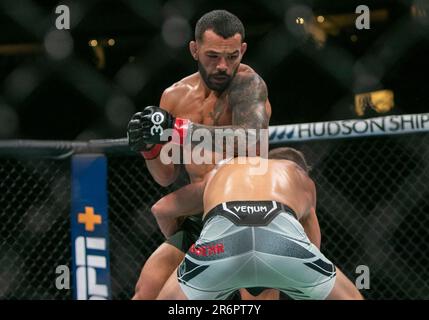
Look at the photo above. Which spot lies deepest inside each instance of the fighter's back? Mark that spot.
(284, 181)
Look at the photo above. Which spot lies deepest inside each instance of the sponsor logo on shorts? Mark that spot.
(209, 250)
(250, 209)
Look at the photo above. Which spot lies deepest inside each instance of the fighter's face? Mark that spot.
(218, 59)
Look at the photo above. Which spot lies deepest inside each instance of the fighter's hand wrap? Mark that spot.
(153, 152)
(149, 128)
(182, 128)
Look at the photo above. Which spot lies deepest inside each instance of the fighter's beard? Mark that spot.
(213, 86)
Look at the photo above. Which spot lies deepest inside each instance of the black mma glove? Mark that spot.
(147, 128)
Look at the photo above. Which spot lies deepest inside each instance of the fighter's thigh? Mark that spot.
(172, 289)
(267, 294)
(343, 289)
(156, 271)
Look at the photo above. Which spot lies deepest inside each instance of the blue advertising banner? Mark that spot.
(89, 228)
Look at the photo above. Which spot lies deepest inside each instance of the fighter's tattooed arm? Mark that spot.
(246, 96)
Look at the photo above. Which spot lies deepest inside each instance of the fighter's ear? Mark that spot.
(243, 48)
(193, 49)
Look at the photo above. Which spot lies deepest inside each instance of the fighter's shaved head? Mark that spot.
(291, 154)
(222, 22)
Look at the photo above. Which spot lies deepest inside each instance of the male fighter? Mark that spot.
(223, 94)
(253, 236)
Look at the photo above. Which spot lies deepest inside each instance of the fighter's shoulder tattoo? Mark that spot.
(247, 96)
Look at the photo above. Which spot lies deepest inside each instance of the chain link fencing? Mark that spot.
(34, 227)
(373, 209)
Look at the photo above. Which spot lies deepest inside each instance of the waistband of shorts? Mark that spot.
(277, 208)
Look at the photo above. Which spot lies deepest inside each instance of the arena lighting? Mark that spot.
(322, 26)
(299, 20)
(332, 24)
(381, 101)
(22, 48)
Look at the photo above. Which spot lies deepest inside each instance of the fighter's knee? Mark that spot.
(138, 295)
(147, 290)
(157, 209)
(357, 295)
(142, 292)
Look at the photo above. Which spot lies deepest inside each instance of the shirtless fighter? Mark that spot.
(223, 94)
(253, 235)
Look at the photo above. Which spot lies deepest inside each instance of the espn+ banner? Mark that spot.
(90, 245)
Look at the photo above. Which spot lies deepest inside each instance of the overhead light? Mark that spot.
(320, 19)
(111, 42)
(93, 43)
(299, 20)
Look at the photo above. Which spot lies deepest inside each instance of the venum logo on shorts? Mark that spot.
(250, 209)
(208, 250)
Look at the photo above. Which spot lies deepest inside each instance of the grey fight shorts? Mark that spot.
(246, 244)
